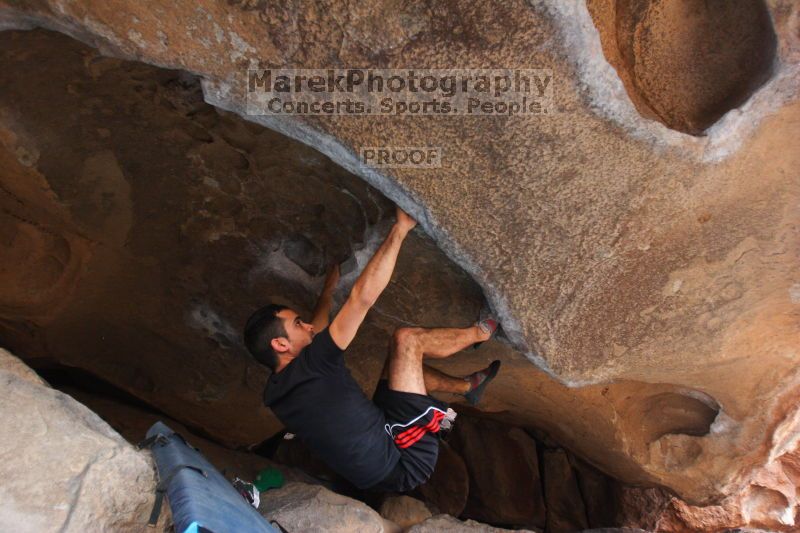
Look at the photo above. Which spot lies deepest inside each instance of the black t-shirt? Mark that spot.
(318, 400)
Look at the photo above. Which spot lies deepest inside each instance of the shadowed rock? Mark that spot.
(67, 470)
(504, 483)
(565, 509)
(623, 257)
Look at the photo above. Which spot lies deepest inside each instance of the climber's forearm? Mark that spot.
(375, 277)
(371, 283)
(322, 311)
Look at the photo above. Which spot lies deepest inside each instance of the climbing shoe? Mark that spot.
(488, 324)
(478, 381)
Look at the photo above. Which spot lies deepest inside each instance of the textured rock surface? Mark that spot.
(147, 226)
(504, 483)
(446, 523)
(404, 511)
(615, 530)
(687, 63)
(617, 250)
(641, 507)
(565, 508)
(598, 493)
(133, 423)
(13, 366)
(63, 468)
(448, 487)
(313, 508)
(767, 504)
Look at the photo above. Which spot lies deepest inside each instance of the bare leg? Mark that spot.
(444, 342)
(437, 381)
(411, 345)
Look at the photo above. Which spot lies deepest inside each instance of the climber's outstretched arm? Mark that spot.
(322, 312)
(370, 283)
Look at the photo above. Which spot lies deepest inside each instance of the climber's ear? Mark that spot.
(280, 344)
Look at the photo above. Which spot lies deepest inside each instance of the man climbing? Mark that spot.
(389, 443)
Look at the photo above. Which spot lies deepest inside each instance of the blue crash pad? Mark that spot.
(200, 498)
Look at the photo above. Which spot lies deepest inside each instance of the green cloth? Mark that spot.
(269, 478)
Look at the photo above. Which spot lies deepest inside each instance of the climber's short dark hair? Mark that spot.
(263, 326)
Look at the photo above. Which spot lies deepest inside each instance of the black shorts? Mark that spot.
(412, 421)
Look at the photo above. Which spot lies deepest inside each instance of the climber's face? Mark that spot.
(298, 334)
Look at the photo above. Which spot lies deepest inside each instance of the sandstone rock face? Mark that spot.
(671, 57)
(12, 366)
(446, 523)
(64, 469)
(598, 494)
(766, 505)
(615, 530)
(504, 483)
(166, 246)
(133, 423)
(641, 507)
(448, 487)
(404, 511)
(565, 508)
(655, 270)
(313, 508)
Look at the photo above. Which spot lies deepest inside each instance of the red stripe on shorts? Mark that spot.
(411, 435)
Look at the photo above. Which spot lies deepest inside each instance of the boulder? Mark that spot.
(404, 511)
(448, 487)
(767, 504)
(646, 277)
(446, 523)
(10, 364)
(504, 484)
(315, 509)
(133, 422)
(64, 469)
(641, 507)
(565, 509)
(222, 217)
(598, 492)
(614, 530)
(667, 54)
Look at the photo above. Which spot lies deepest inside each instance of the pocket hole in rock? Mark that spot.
(686, 63)
(690, 413)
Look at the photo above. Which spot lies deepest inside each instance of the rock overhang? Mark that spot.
(650, 249)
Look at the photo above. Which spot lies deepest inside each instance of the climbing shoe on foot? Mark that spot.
(478, 381)
(488, 324)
